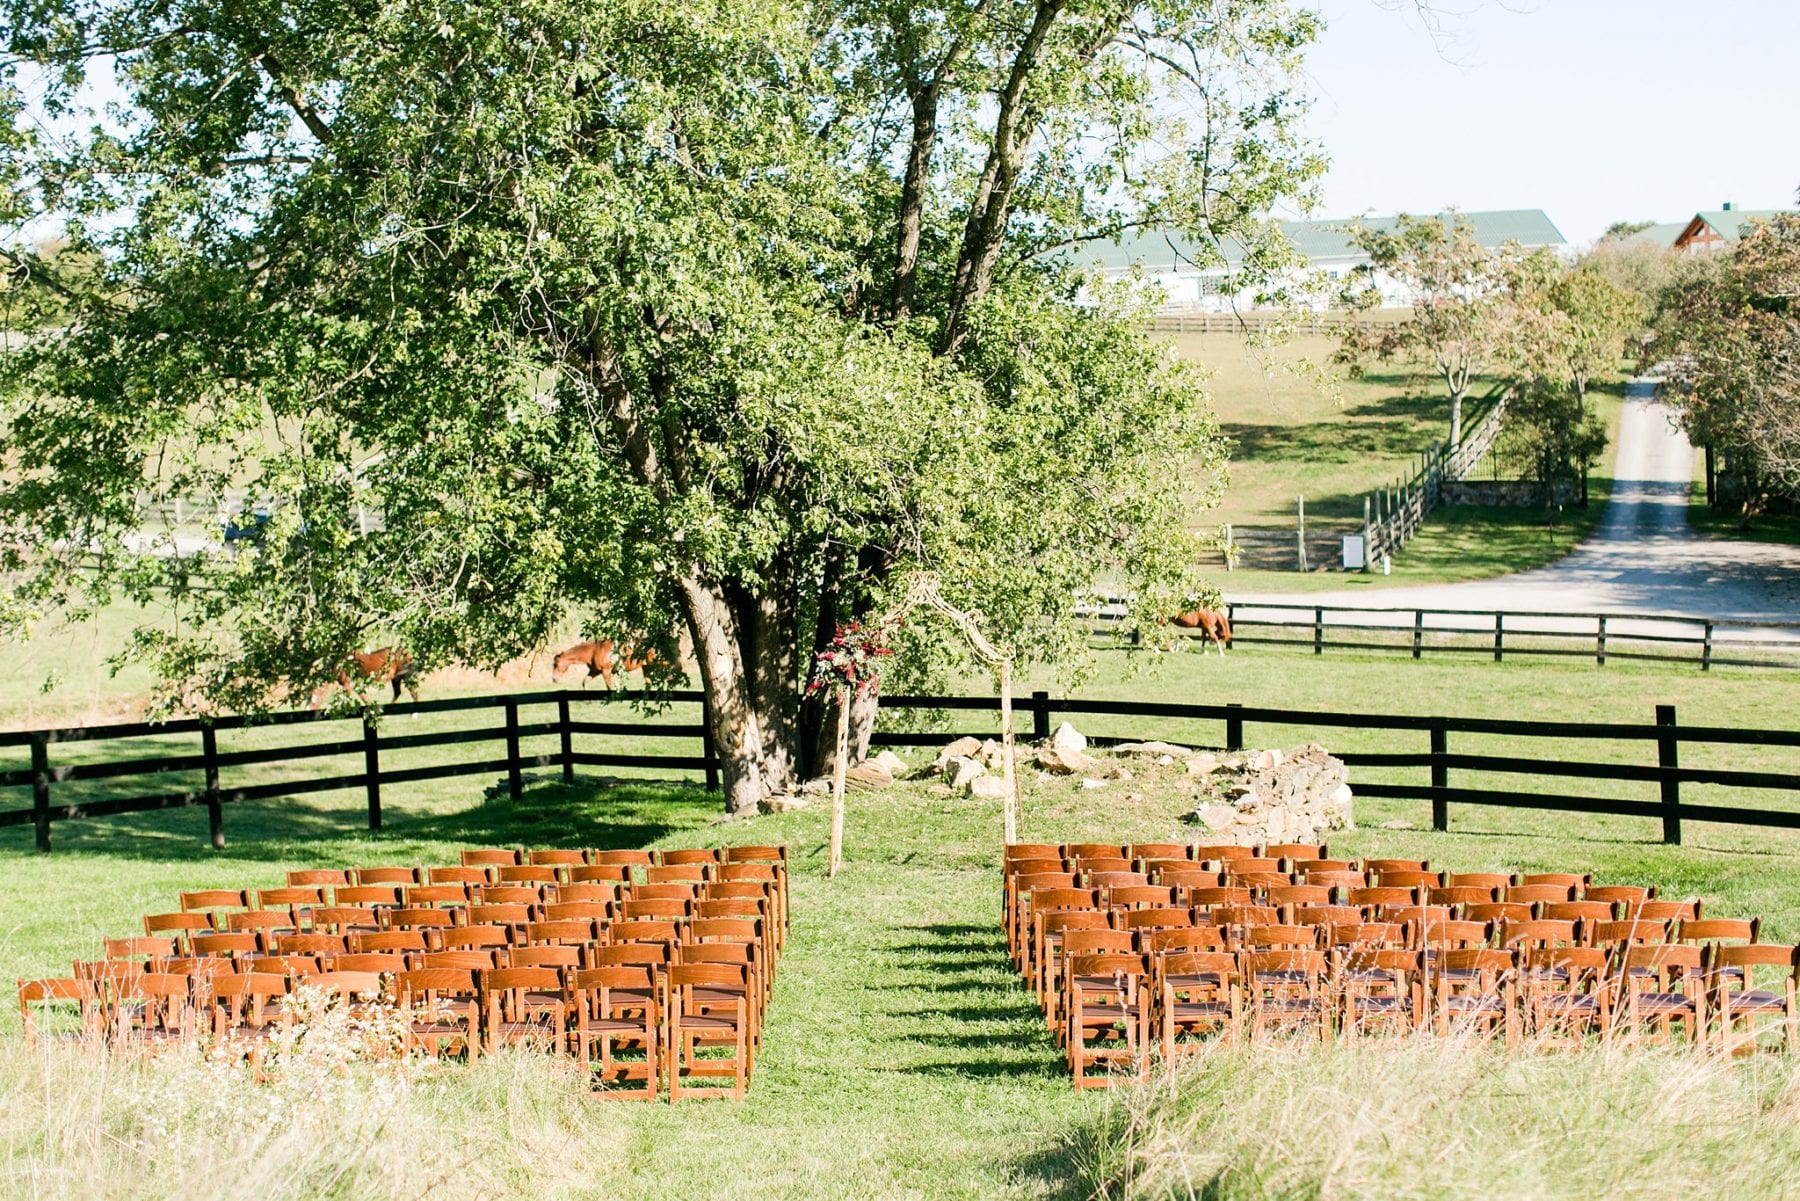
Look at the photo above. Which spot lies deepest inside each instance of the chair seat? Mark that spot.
(615, 1026)
(1199, 1009)
(1291, 1006)
(1566, 1002)
(1464, 1003)
(1755, 999)
(1664, 1002)
(703, 1022)
(1384, 1003)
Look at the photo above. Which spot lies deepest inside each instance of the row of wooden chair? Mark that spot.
(1119, 1007)
(636, 1028)
(1432, 941)
(721, 914)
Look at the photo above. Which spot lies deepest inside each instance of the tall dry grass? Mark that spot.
(1398, 1119)
(77, 1121)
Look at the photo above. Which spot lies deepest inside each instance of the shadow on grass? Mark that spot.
(604, 816)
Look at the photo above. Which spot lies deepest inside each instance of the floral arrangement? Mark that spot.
(851, 663)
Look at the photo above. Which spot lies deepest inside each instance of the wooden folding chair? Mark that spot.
(1731, 972)
(1196, 995)
(1108, 1025)
(1619, 894)
(214, 902)
(616, 1008)
(1575, 880)
(1664, 986)
(1477, 990)
(367, 876)
(528, 873)
(149, 1010)
(1536, 894)
(44, 1006)
(600, 873)
(465, 875)
(1370, 898)
(318, 877)
(1045, 962)
(1378, 866)
(314, 945)
(1139, 896)
(149, 954)
(1566, 992)
(556, 857)
(1579, 911)
(297, 901)
(489, 857)
(1379, 985)
(1218, 853)
(180, 926)
(744, 954)
(245, 1008)
(679, 873)
(235, 945)
(524, 1006)
(1497, 882)
(1286, 989)
(475, 938)
(443, 1014)
(1500, 912)
(345, 919)
(1406, 877)
(407, 941)
(708, 1011)
(1296, 850)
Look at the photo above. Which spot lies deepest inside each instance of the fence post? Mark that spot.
(1706, 649)
(215, 807)
(1228, 555)
(1234, 727)
(1600, 641)
(1300, 532)
(568, 738)
(709, 750)
(40, 789)
(515, 779)
(1440, 776)
(1318, 629)
(372, 770)
(1368, 534)
(1668, 758)
(1418, 632)
(1040, 715)
(1499, 635)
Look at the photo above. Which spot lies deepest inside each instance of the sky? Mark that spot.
(1593, 110)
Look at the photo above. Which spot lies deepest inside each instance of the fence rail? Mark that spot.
(1420, 744)
(1664, 638)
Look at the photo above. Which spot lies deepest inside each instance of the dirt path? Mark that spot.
(1644, 557)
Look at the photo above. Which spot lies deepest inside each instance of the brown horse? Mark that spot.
(601, 660)
(383, 665)
(1213, 625)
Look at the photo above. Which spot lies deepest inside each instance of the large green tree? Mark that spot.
(1729, 339)
(722, 318)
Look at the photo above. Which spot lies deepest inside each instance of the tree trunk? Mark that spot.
(1456, 403)
(837, 787)
(737, 726)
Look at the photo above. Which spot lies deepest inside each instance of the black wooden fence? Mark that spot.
(1700, 642)
(1420, 743)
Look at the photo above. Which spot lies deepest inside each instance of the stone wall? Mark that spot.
(1517, 494)
(1252, 798)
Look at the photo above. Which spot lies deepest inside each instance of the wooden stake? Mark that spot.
(1008, 772)
(837, 783)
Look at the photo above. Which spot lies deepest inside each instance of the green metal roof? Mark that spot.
(1661, 235)
(1731, 224)
(1318, 241)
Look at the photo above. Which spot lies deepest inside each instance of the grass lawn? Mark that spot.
(901, 1059)
(1293, 436)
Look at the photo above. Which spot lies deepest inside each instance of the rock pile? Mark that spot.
(1252, 798)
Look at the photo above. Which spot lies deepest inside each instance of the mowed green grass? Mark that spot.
(902, 1059)
(1300, 427)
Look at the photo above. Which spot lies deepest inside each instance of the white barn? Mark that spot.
(1167, 260)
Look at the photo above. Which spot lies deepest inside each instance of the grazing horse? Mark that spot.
(384, 664)
(1213, 625)
(600, 660)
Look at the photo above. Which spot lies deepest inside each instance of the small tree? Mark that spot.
(1459, 317)
(1551, 432)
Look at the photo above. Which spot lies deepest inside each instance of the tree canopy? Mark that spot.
(707, 318)
(1729, 337)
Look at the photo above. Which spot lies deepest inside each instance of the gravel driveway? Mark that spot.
(1643, 559)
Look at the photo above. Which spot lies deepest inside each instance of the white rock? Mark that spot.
(1164, 760)
(1068, 738)
(960, 770)
(1090, 782)
(1063, 762)
(1217, 817)
(868, 775)
(963, 748)
(783, 803)
(895, 765)
(1165, 751)
(987, 788)
(1202, 765)
(818, 787)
